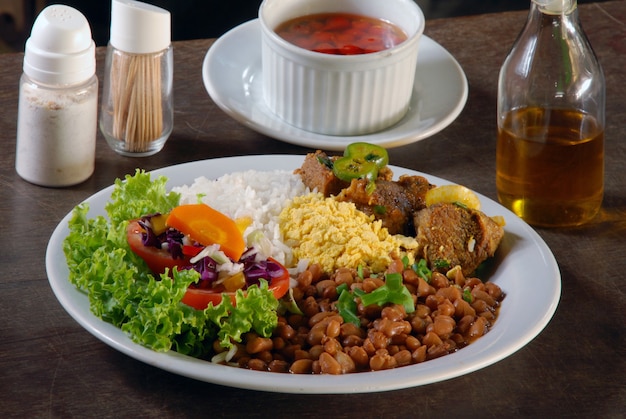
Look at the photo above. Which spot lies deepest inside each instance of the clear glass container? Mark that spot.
(137, 115)
(550, 115)
(56, 132)
(57, 118)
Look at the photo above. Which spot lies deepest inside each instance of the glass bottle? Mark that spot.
(551, 100)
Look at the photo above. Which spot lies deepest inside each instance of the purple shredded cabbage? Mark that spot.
(148, 238)
(172, 237)
(254, 271)
(207, 267)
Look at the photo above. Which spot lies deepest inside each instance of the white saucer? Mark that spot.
(231, 72)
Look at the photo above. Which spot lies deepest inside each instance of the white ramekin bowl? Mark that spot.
(339, 95)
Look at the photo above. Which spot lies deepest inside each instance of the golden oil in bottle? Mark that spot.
(551, 118)
(550, 165)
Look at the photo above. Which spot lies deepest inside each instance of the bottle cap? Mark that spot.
(139, 28)
(60, 49)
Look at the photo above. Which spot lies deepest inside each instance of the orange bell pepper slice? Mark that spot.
(208, 226)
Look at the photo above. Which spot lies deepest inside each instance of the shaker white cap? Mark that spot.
(60, 49)
(139, 28)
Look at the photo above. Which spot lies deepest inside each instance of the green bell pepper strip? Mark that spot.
(421, 268)
(393, 291)
(360, 161)
(346, 305)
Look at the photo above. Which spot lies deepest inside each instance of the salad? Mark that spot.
(154, 303)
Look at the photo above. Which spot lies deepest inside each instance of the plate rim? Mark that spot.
(391, 137)
(76, 304)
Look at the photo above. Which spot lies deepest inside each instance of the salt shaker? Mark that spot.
(551, 104)
(136, 115)
(58, 101)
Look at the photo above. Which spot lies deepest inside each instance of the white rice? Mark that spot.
(259, 195)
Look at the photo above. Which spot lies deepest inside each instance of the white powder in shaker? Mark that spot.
(58, 100)
(53, 125)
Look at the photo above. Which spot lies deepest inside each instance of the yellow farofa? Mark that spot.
(335, 234)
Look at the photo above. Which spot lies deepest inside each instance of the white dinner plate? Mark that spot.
(524, 268)
(231, 72)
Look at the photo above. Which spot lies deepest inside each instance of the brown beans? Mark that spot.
(344, 276)
(463, 308)
(327, 289)
(402, 358)
(378, 339)
(352, 340)
(443, 326)
(494, 290)
(420, 324)
(351, 329)
(432, 339)
(314, 352)
(392, 328)
(257, 364)
(320, 341)
(439, 280)
(410, 277)
(278, 366)
(259, 344)
(480, 306)
(370, 284)
(419, 355)
(422, 311)
(478, 328)
(305, 279)
(331, 346)
(450, 293)
(423, 289)
(358, 355)
(382, 361)
(316, 334)
(285, 331)
(395, 313)
(302, 366)
(346, 362)
(412, 343)
(483, 295)
(329, 364)
(310, 306)
(318, 317)
(333, 328)
(446, 308)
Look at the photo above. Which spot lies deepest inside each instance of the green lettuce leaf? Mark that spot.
(255, 311)
(123, 291)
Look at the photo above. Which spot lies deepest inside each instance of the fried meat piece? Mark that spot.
(316, 173)
(456, 235)
(391, 202)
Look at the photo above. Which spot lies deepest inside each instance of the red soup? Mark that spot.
(341, 33)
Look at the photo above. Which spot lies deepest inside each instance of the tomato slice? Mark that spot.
(199, 298)
(156, 259)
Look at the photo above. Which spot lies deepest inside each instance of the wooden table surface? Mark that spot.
(51, 367)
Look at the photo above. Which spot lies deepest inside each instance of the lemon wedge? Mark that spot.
(453, 194)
